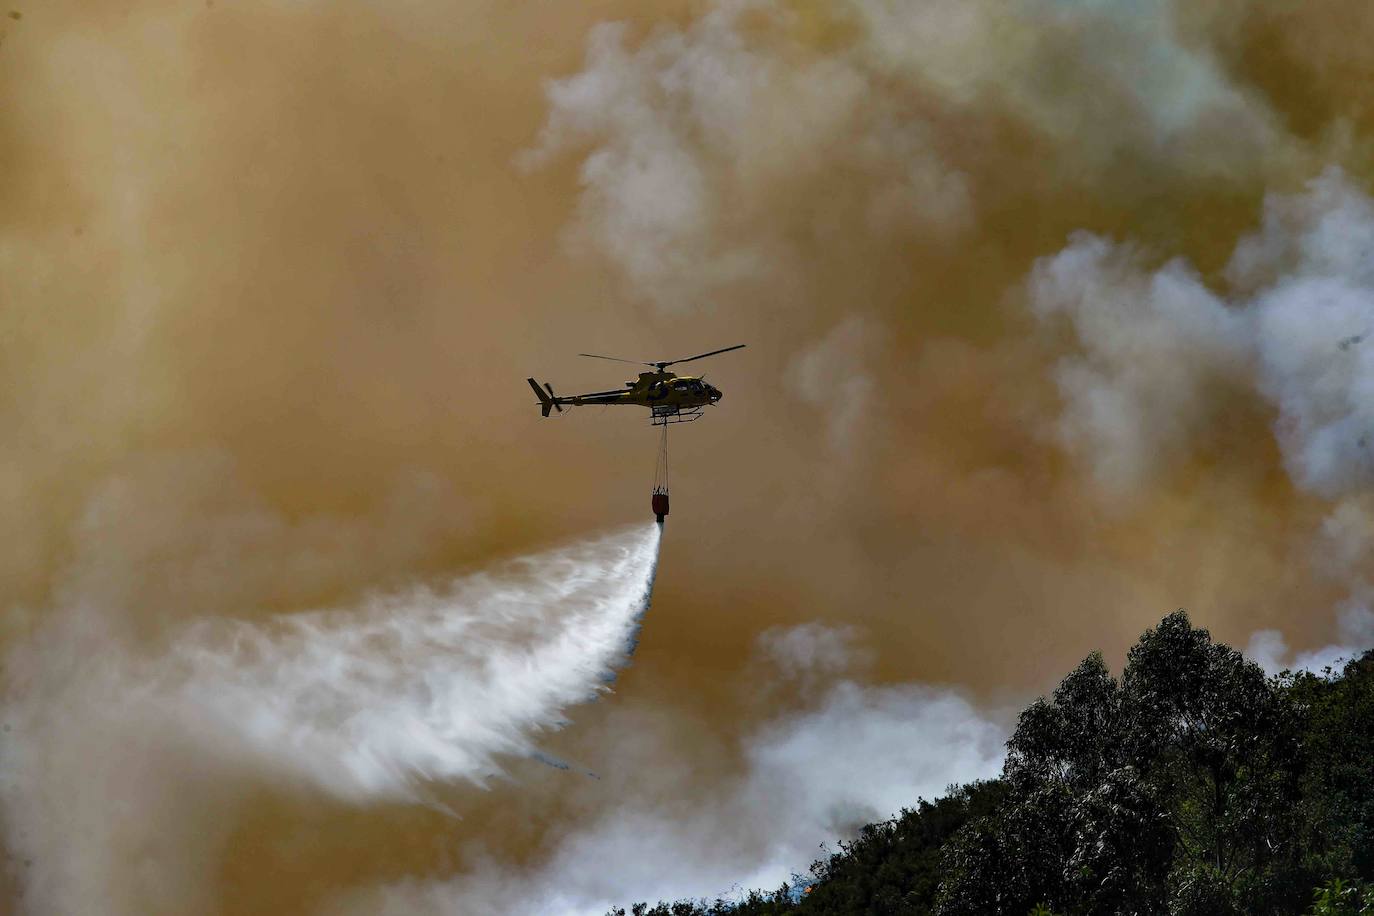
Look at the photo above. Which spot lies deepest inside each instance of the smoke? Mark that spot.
(854, 754)
(1164, 358)
(1341, 552)
(832, 376)
(692, 142)
(1159, 346)
(1155, 344)
(1311, 319)
(274, 271)
(368, 703)
(811, 651)
(701, 146)
(1355, 635)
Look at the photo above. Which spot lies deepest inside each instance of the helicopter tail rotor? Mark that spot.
(548, 401)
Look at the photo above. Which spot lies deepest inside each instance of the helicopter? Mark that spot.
(670, 398)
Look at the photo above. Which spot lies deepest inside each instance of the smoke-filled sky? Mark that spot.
(1059, 313)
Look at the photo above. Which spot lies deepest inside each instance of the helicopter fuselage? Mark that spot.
(660, 391)
(669, 397)
(653, 389)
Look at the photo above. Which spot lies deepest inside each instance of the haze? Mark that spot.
(1057, 316)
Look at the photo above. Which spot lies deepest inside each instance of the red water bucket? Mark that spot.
(660, 504)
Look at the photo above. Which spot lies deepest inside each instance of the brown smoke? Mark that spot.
(274, 272)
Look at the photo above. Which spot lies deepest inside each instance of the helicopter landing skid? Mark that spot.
(664, 414)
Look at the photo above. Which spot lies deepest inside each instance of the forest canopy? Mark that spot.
(1192, 785)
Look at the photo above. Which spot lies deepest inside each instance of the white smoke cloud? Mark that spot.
(1159, 354)
(1128, 53)
(114, 749)
(1311, 324)
(1153, 343)
(1347, 538)
(1156, 345)
(694, 140)
(812, 650)
(858, 754)
(833, 375)
(712, 153)
(1270, 650)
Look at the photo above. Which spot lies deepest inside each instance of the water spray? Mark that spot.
(376, 700)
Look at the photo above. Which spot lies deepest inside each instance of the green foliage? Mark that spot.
(1337, 898)
(1174, 790)
(1338, 748)
(1192, 786)
(755, 904)
(895, 866)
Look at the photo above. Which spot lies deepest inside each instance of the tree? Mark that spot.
(1338, 778)
(1080, 830)
(1220, 744)
(1175, 789)
(894, 867)
(1194, 786)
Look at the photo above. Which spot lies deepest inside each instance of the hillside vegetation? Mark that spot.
(1192, 786)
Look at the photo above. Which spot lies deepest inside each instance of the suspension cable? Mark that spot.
(661, 470)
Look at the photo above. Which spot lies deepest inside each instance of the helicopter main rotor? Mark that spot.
(664, 364)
